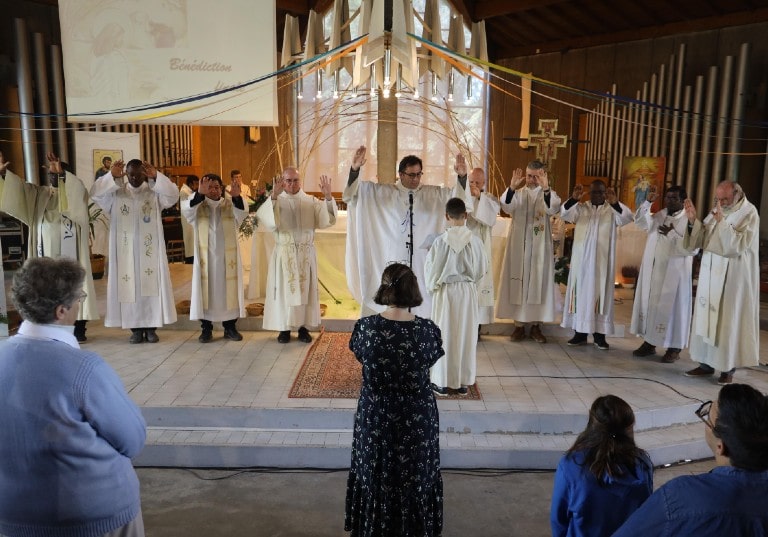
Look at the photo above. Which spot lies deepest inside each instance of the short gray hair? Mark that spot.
(43, 284)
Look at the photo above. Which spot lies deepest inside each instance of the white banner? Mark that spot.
(140, 54)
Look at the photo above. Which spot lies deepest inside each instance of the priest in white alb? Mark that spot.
(589, 296)
(58, 220)
(217, 274)
(661, 312)
(292, 297)
(390, 223)
(726, 314)
(481, 217)
(187, 192)
(528, 292)
(139, 290)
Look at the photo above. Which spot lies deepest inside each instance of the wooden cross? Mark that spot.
(547, 141)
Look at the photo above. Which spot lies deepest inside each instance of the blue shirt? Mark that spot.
(725, 502)
(584, 507)
(69, 431)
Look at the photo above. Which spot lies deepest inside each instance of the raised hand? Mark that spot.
(578, 192)
(359, 159)
(118, 169)
(149, 170)
(3, 164)
(54, 164)
(325, 187)
(278, 186)
(610, 196)
(235, 187)
(461, 165)
(518, 179)
(690, 210)
(651, 196)
(544, 179)
(717, 211)
(204, 186)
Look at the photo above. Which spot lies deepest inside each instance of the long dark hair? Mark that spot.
(608, 441)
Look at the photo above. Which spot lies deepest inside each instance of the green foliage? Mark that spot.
(562, 268)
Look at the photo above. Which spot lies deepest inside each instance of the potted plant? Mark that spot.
(98, 261)
(629, 274)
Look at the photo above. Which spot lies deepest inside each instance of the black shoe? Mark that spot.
(80, 331)
(600, 343)
(150, 336)
(646, 349)
(304, 335)
(136, 337)
(206, 336)
(463, 390)
(578, 339)
(80, 337)
(284, 336)
(233, 335)
(439, 390)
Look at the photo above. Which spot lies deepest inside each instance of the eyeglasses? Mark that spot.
(703, 413)
(82, 297)
(413, 175)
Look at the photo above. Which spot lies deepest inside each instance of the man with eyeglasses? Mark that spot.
(589, 295)
(394, 223)
(730, 500)
(661, 313)
(726, 313)
(292, 296)
(528, 292)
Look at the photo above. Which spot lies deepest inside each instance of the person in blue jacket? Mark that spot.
(732, 499)
(69, 428)
(604, 477)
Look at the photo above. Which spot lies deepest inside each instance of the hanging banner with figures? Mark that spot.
(638, 174)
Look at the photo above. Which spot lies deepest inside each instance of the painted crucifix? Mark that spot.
(547, 141)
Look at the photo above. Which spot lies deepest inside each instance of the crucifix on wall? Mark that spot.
(547, 141)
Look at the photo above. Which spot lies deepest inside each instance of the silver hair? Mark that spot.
(43, 284)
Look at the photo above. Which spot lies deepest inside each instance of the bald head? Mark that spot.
(291, 180)
(476, 181)
(728, 193)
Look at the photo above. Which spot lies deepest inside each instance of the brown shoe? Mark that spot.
(536, 334)
(700, 372)
(646, 349)
(725, 378)
(670, 357)
(518, 334)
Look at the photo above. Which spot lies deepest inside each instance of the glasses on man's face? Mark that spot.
(82, 297)
(413, 175)
(703, 413)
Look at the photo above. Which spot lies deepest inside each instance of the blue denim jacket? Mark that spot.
(727, 501)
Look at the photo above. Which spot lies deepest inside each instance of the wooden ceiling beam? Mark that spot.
(295, 7)
(495, 8)
(697, 25)
(461, 7)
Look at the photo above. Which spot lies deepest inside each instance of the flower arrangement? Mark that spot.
(250, 223)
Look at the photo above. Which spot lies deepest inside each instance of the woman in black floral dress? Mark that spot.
(394, 486)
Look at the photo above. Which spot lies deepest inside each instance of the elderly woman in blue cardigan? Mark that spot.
(69, 427)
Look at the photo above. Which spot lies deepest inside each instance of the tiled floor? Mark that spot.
(513, 377)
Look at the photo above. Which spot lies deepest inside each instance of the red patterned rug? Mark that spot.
(330, 371)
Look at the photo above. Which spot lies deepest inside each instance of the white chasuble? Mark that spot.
(661, 312)
(57, 219)
(292, 298)
(187, 231)
(527, 291)
(726, 312)
(217, 277)
(589, 296)
(480, 221)
(455, 263)
(139, 290)
(378, 231)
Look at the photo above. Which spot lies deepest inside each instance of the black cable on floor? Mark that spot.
(678, 392)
